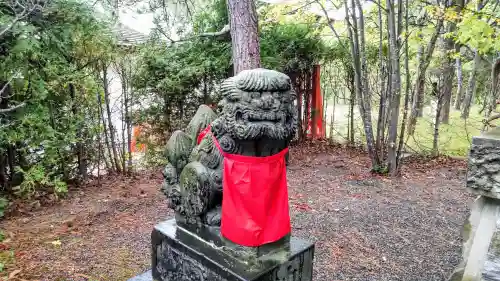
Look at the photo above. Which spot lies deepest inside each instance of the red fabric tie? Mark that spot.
(203, 134)
(255, 207)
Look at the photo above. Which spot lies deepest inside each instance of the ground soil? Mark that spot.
(366, 227)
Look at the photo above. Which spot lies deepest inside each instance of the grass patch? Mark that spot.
(7, 260)
(454, 138)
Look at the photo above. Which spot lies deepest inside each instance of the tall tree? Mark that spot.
(423, 64)
(382, 109)
(472, 87)
(449, 47)
(460, 80)
(495, 87)
(356, 30)
(447, 73)
(394, 49)
(244, 34)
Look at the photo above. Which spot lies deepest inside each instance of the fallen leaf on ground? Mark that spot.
(56, 243)
(14, 273)
(303, 206)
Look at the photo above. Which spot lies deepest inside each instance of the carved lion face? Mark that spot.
(257, 103)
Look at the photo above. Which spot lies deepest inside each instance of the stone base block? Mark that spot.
(481, 248)
(181, 255)
(483, 172)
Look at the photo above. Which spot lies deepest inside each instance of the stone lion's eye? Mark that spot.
(246, 97)
(255, 95)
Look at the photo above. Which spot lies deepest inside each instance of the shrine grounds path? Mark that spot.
(365, 227)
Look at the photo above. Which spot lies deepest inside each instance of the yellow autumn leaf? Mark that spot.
(56, 243)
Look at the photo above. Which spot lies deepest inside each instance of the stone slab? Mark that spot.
(146, 276)
(483, 171)
(481, 249)
(181, 255)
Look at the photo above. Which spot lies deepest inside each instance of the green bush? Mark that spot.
(36, 178)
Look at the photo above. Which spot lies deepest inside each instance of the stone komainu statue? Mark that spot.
(257, 118)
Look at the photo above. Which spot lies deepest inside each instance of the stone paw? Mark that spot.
(213, 217)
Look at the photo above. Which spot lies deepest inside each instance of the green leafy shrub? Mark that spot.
(4, 203)
(36, 178)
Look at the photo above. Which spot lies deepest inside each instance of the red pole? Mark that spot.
(317, 116)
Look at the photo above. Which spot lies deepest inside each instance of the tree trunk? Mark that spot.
(395, 87)
(180, 106)
(357, 44)
(124, 70)
(383, 95)
(448, 73)
(471, 88)
(244, 34)
(3, 177)
(125, 155)
(439, 109)
(110, 123)
(418, 95)
(332, 122)
(167, 112)
(300, 83)
(205, 90)
(128, 122)
(449, 46)
(11, 160)
(460, 89)
(80, 149)
(109, 164)
(349, 79)
(61, 155)
(4, 104)
(388, 97)
(351, 115)
(407, 92)
(99, 143)
(493, 95)
(307, 99)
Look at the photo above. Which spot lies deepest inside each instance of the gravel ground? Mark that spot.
(365, 227)
(371, 228)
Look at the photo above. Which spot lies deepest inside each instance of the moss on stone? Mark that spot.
(178, 149)
(202, 118)
(467, 229)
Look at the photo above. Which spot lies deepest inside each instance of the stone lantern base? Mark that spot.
(481, 248)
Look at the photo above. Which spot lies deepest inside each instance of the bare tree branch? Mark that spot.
(300, 7)
(10, 109)
(9, 26)
(21, 11)
(225, 30)
(330, 24)
(378, 5)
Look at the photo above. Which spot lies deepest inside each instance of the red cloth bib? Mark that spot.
(255, 198)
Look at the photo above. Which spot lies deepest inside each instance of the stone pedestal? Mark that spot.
(179, 254)
(481, 248)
